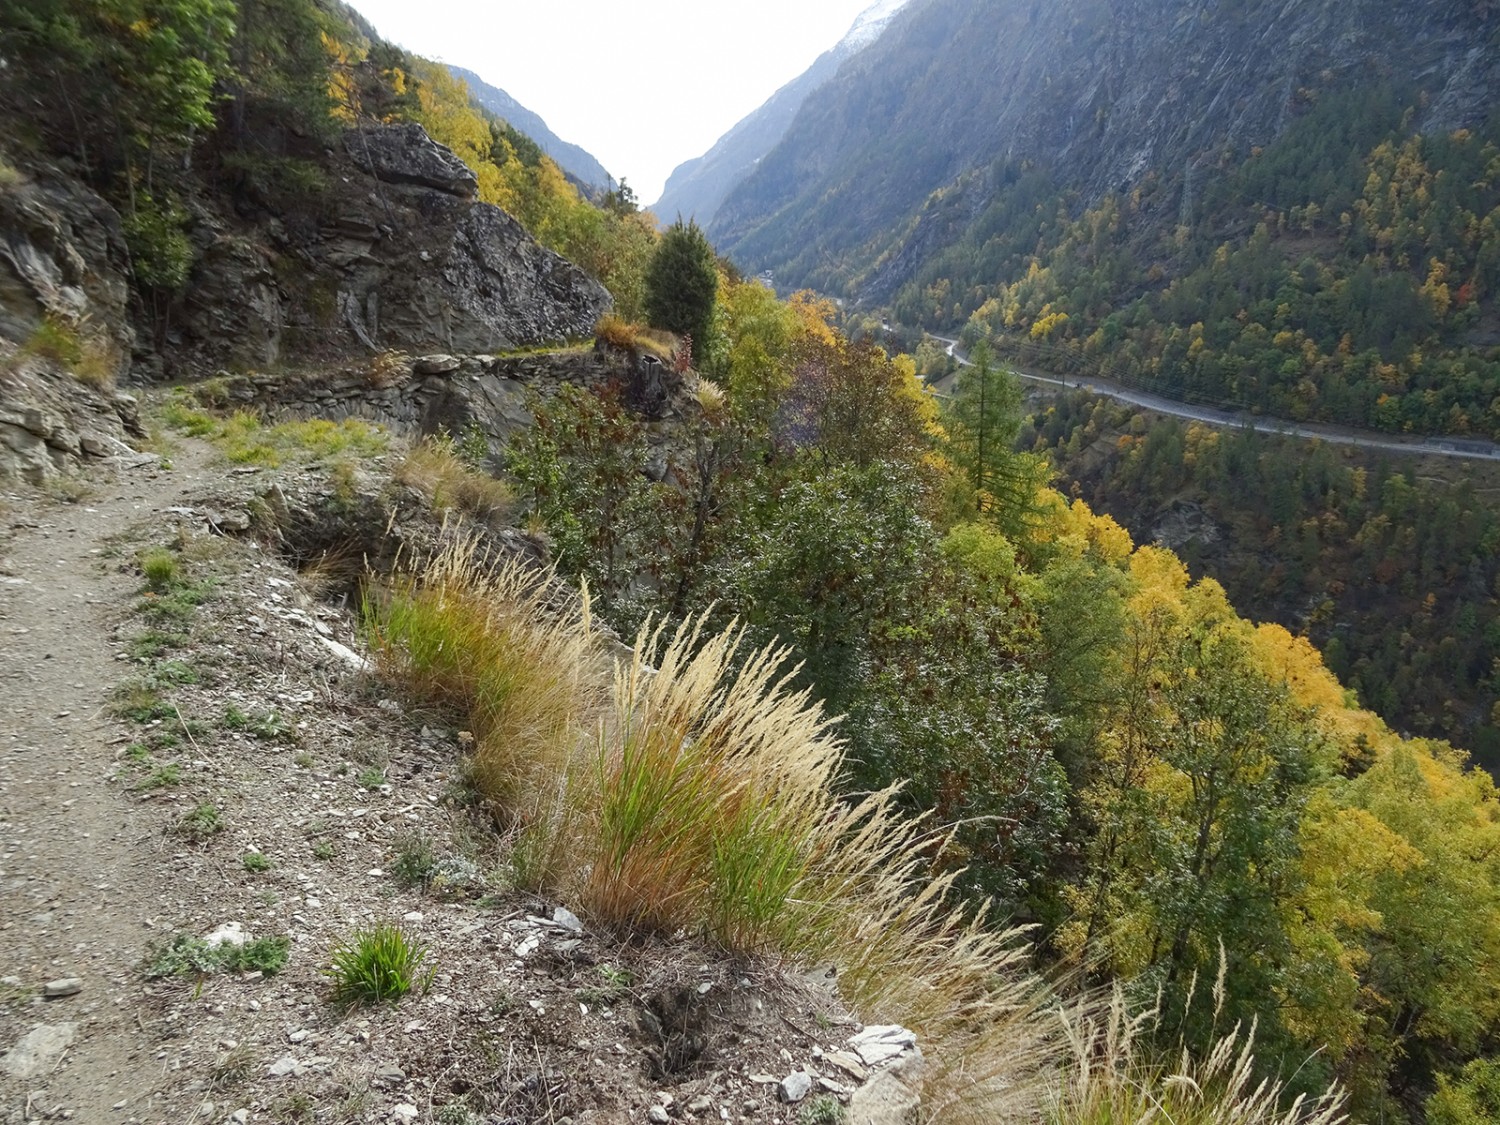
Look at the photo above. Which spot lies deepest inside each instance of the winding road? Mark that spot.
(1469, 449)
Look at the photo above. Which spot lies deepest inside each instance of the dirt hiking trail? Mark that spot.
(79, 879)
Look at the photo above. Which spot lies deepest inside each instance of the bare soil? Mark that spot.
(267, 780)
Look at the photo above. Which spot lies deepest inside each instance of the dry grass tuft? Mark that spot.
(435, 468)
(473, 633)
(388, 369)
(696, 792)
(620, 333)
(1110, 1079)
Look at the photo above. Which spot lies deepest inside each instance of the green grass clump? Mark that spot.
(267, 726)
(153, 643)
(161, 569)
(247, 440)
(255, 862)
(187, 955)
(378, 964)
(183, 416)
(164, 777)
(140, 700)
(201, 822)
(371, 777)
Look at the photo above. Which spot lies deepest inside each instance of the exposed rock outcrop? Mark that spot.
(50, 423)
(405, 154)
(443, 393)
(63, 263)
(399, 256)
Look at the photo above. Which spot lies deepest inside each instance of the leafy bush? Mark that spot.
(161, 253)
(186, 954)
(201, 822)
(378, 964)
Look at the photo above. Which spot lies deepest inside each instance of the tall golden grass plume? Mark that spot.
(693, 787)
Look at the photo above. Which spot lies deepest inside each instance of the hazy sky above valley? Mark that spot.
(643, 85)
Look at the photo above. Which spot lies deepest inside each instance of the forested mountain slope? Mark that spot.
(1311, 185)
(573, 159)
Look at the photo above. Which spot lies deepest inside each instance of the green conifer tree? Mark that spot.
(682, 284)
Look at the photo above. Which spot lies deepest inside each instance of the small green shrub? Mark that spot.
(176, 672)
(371, 778)
(325, 850)
(415, 861)
(823, 1110)
(163, 778)
(140, 701)
(203, 821)
(614, 985)
(154, 642)
(255, 862)
(186, 954)
(378, 964)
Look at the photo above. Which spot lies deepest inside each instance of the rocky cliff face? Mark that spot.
(1100, 92)
(64, 265)
(397, 255)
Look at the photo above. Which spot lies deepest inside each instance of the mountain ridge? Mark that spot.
(573, 159)
(697, 187)
(926, 128)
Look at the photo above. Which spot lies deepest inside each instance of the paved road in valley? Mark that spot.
(1469, 449)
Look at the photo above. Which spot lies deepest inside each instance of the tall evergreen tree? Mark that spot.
(982, 420)
(682, 284)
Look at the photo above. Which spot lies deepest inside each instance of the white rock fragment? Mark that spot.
(880, 1043)
(404, 1112)
(658, 1115)
(794, 1087)
(230, 933)
(37, 1052)
(284, 1066)
(567, 920)
(63, 986)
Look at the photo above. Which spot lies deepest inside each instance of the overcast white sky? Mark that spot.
(641, 84)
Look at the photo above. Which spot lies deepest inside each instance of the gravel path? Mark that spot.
(77, 874)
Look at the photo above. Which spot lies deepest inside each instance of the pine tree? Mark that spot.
(682, 283)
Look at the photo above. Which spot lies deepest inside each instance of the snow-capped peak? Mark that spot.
(869, 24)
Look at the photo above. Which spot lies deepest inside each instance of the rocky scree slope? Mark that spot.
(961, 95)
